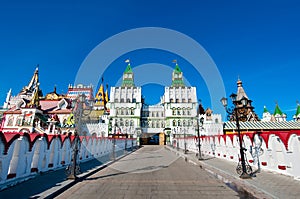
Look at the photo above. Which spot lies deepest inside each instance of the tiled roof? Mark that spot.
(259, 125)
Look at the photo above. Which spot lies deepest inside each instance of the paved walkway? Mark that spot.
(151, 172)
(265, 185)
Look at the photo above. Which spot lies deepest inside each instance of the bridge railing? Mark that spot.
(279, 151)
(23, 155)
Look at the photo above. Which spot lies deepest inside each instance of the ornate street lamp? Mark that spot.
(239, 108)
(184, 139)
(80, 109)
(200, 126)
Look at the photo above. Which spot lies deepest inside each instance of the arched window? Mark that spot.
(178, 112)
(189, 112)
(174, 123)
(179, 123)
(173, 112)
(184, 123)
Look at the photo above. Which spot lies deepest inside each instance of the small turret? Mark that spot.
(278, 114)
(128, 80)
(177, 76)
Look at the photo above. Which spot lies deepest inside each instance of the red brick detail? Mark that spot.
(251, 161)
(224, 156)
(281, 167)
(63, 162)
(11, 175)
(34, 170)
(231, 157)
(264, 163)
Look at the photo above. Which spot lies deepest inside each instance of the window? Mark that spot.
(178, 112)
(128, 100)
(174, 123)
(179, 123)
(174, 112)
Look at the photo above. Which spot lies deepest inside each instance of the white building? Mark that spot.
(125, 106)
(175, 115)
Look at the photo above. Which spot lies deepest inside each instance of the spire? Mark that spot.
(99, 99)
(8, 97)
(100, 96)
(277, 110)
(177, 77)
(265, 109)
(298, 110)
(29, 89)
(35, 100)
(240, 91)
(278, 114)
(297, 115)
(128, 76)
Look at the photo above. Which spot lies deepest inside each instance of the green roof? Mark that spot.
(128, 77)
(177, 79)
(128, 69)
(277, 110)
(265, 109)
(177, 69)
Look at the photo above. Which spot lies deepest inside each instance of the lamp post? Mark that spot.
(239, 107)
(199, 125)
(80, 108)
(184, 140)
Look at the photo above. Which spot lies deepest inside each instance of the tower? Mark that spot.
(125, 105)
(266, 115)
(278, 114)
(248, 113)
(128, 80)
(296, 117)
(177, 77)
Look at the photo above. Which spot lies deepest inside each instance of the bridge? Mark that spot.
(156, 172)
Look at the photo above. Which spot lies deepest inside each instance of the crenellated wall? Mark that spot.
(24, 155)
(279, 152)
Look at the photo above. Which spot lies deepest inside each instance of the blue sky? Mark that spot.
(257, 41)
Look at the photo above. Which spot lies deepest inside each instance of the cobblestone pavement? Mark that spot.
(264, 185)
(151, 172)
